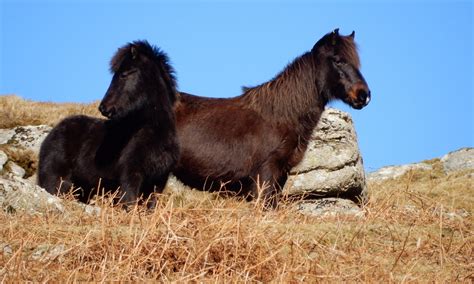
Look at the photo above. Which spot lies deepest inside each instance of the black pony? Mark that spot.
(259, 136)
(135, 149)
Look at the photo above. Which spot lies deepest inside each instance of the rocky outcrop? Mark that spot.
(20, 195)
(26, 137)
(332, 165)
(397, 171)
(23, 195)
(330, 207)
(459, 160)
(456, 161)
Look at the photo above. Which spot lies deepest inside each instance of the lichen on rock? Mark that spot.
(332, 164)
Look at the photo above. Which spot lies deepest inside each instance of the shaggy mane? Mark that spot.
(347, 48)
(272, 99)
(147, 50)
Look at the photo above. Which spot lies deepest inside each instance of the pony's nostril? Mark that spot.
(363, 96)
(103, 110)
(107, 112)
(367, 99)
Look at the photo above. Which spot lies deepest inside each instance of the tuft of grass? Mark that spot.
(416, 228)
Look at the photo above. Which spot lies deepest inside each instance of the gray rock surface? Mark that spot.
(5, 135)
(459, 160)
(14, 169)
(19, 141)
(27, 137)
(462, 159)
(330, 207)
(45, 253)
(6, 249)
(3, 160)
(19, 195)
(391, 172)
(332, 164)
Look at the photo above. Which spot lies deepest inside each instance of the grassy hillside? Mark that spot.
(16, 111)
(417, 228)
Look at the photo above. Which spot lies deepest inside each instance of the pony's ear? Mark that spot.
(334, 36)
(352, 35)
(134, 52)
(328, 41)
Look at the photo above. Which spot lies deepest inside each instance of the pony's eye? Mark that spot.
(127, 73)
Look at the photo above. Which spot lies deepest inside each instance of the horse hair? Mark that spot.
(135, 149)
(263, 133)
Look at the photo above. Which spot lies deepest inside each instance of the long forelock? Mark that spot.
(347, 49)
(119, 57)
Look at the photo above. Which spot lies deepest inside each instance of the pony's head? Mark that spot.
(142, 77)
(342, 79)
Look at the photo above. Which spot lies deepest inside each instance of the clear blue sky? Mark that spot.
(417, 57)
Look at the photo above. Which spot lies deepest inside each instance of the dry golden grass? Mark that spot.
(417, 228)
(16, 111)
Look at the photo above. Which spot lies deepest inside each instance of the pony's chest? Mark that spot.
(112, 148)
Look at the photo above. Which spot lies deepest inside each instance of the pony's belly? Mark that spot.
(208, 165)
(222, 142)
(203, 163)
(217, 165)
(212, 182)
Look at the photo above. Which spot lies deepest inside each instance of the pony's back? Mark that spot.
(60, 152)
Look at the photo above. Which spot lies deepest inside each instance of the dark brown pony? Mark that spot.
(256, 138)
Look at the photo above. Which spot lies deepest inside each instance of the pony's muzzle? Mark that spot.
(109, 113)
(360, 96)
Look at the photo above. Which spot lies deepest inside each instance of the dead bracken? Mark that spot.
(416, 227)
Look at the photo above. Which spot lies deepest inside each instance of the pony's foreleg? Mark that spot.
(139, 187)
(266, 187)
(54, 175)
(59, 185)
(157, 178)
(130, 184)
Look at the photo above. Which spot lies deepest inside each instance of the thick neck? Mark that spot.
(158, 112)
(292, 99)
